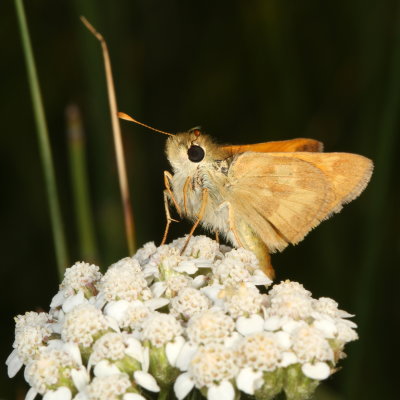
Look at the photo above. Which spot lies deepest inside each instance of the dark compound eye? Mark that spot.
(195, 153)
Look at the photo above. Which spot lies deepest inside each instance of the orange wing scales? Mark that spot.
(293, 145)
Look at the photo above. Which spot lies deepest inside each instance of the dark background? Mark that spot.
(246, 71)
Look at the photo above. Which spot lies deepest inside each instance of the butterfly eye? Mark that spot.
(195, 153)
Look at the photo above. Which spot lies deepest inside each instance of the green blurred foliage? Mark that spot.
(246, 71)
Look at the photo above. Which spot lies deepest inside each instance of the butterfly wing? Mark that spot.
(282, 196)
(300, 144)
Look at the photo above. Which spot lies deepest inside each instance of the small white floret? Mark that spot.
(132, 396)
(273, 323)
(31, 394)
(248, 381)
(62, 393)
(147, 381)
(158, 288)
(73, 301)
(249, 325)
(155, 304)
(14, 364)
(134, 348)
(104, 368)
(183, 385)
(80, 378)
(186, 267)
(58, 299)
(173, 349)
(318, 371)
(326, 326)
(185, 356)
(288, 358)
(222, 391)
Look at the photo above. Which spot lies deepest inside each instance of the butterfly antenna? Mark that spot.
(129, 118)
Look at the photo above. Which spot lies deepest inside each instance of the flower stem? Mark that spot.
(44, 144)
(163, 394)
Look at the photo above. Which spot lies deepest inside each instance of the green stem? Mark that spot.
(84, 216)
(163, 394)
(44, 144)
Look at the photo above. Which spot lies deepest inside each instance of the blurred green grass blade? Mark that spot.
(44, 144)
(83, 212)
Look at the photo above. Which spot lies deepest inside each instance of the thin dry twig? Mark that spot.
(122, 175)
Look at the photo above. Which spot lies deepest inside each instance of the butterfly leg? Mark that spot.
(204, 197)
(168, 216)
(231, 220)
(185, 190)
(168, 194)
(167, 179)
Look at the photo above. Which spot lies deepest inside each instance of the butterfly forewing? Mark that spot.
(300, 144)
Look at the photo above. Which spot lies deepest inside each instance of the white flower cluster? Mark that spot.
(194, 321)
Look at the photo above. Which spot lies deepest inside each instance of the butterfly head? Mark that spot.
(188, 150)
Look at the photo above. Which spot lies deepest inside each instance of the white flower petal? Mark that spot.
(185, 356)
(81, 396)
(14, 364)
(223, 391)
(233, 340)
(154, 304)
(283, 339)
(188, 267)
(249, 381)
(151, 271)
(173, 349)
(288, 358)
(57, 326)
(158, 288)
(212, 293)
(58, 299)
(62, 393)
(146, 359)
(290, 325)
(318, 371)
(100, 301)
(199, 281)
(116, 309)
(183, 385)
(147, 381)
(259, 278)
(73, 301)
(56, 344)
(134, 349)
(112, 323)
(132, 396)
(105, 368)
(203, 263)
(80, 378)
(248, 325)
(327, 327)
(31, 394)
(73, 350)
(272, 323)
